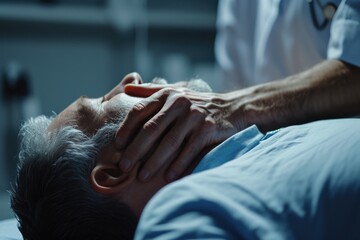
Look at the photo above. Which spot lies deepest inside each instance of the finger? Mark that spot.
(206, 138)
(190, 151)
(171, 143)
(143, 90)
(147, 89)
(140, 113)
(151, 131)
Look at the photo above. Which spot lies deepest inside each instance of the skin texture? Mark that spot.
(186, 123)
(89, 115)
(172, 127)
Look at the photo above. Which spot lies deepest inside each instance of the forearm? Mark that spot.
(190, 122)
(329, 90)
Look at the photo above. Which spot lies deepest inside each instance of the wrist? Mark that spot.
(233, 105)
(269, 106)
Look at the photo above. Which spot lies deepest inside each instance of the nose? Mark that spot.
(133, 78)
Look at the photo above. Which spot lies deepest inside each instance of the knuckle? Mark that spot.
(165, 92)
(197, 112)
(150, 127)
(154, 124)
(217, 100)
(137, 108)
(173, 141)
(211, 105)
(182, 100)
(210, 122)
(209, 125)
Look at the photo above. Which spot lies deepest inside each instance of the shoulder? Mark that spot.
(247, 197)
(185, 209)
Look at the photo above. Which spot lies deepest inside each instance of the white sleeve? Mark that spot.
(344, 41)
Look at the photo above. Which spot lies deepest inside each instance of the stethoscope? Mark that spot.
(328, 12)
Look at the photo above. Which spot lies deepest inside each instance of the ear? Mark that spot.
(108, 179)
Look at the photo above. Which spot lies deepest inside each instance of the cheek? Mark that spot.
(90, 124)
(115, 111)
(119, 106)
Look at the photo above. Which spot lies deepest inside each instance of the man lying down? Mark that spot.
(299, 182)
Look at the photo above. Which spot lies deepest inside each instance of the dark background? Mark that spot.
(51, 52)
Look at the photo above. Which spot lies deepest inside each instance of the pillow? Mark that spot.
(9, 230)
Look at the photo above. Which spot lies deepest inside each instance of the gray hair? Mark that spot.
(53, 198)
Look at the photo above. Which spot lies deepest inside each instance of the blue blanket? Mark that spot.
(300, 182)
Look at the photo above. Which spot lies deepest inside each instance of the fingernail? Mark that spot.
(125, 164)
(144, 175)
(171, 176)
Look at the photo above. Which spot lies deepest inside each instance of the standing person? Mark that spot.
(261, 41)
(308, 67)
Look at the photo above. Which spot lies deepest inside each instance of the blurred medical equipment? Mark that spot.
(328, 12)
(19, 105)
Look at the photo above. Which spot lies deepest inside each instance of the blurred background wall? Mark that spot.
(53, 51)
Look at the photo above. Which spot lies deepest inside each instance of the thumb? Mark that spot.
(143, 90)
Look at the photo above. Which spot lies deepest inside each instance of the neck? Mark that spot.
(149, 189)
